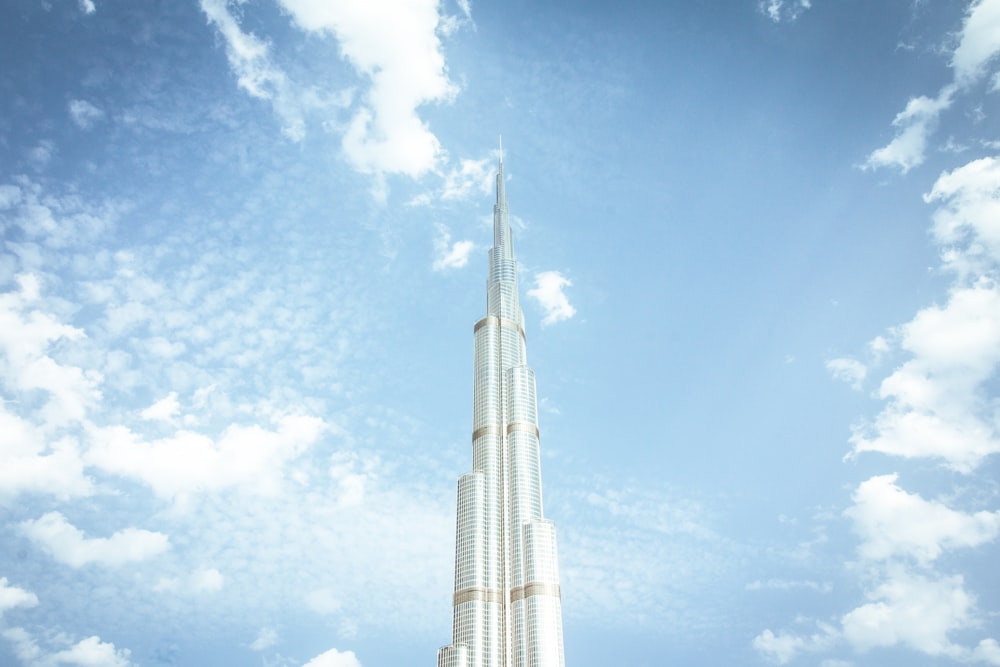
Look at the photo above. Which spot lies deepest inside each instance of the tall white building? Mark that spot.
(507, 609)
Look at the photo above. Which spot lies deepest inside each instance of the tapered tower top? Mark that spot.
(501, 225)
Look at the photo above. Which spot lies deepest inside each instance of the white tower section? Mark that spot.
(507, 610)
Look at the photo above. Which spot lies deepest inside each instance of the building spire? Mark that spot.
(501, 193)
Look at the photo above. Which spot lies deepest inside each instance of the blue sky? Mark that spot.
(244, 245)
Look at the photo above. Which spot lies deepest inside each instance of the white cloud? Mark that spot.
(10, 196)
(266, 638)
(87, 6)
(979, 42)
(939, 401)
(12, 597)
(915, 124)
(164, 409)
(323, 601)
(395, 45)
(788, 585)
(470, 177)
(26, 334)
(92, 652)
(334, 658)
(848, 370)
(89, 652)
(988, 651)
(83, 113)
(29, 464)
(188, 462)
(548, 292)
(783, 10)
(914, 610)
(42, 153)
(207, 580)
(892, 522)
(967, 222)
(67, 544)
(250, 59)
(935, 399)
(204, 580)
(784, 647)
(450, 255)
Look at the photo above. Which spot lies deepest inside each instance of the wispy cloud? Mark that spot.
(848, 370)
(978, 43)
(549, 293)
(250, 59)
(783, 10)
(915, 124)
(84, 114)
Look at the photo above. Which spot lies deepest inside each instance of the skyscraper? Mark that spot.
(507, 609)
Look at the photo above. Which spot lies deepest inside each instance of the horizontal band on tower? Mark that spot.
(494, 320)
(483, 430)
(477, 593)
(536, 588)
(523, 426)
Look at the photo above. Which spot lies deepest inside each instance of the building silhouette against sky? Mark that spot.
(507, 609)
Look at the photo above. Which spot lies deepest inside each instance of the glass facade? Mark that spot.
(507, 609)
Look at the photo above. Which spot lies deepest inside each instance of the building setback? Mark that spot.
(507, 609)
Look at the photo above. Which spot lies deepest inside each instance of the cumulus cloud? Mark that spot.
(848, 370)
(979, 42)
(783, 647)
(334, 658)
(67, 544)
(967, 220)
(29, 463)
(83, 113)
(188, 462)
(914, 610)
(164, 409)
(938, 400)
(88, 6)
(450, 255)
(939, 403)
(89, 652)
(395, 45)
(548, 292)
(12, 597)
(893, 523)
(31, 459)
